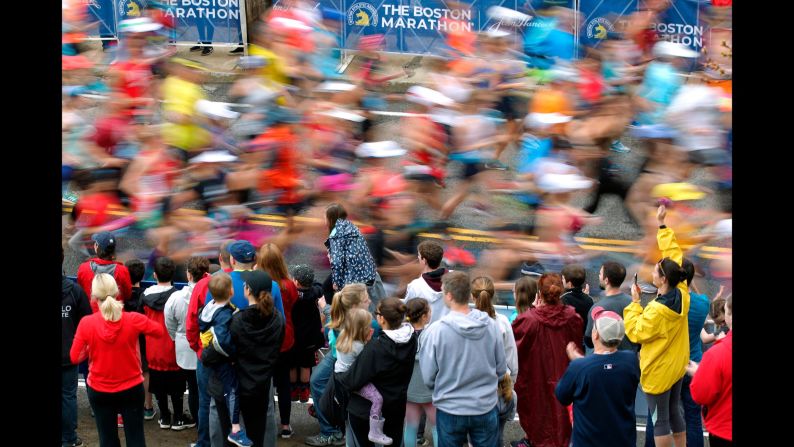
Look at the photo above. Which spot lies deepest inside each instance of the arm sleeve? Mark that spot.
(501, 361)
(222, 337)
(83, 279)
(169, 313)
(567, 385)
(428, 364)
(640, 324)
(511, 353)
(588, 331)
(337, 263)
(668, 245)
(706, 384)
(147, 326)
(124, 283)
(79, 351)
(363, 369)
(275, 291)
(191, 322)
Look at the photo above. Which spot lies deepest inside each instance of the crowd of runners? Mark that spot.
(498, 121)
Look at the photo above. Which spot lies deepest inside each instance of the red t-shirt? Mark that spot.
(114, 358)
(289, 295)
(135, 77)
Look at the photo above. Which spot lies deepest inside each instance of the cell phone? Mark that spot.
(635, 279)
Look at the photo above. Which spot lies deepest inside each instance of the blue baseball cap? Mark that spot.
(105, 240)
(242, 251)
(332, 14)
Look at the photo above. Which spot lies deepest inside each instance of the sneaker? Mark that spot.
(237, 50)
(164, 424)
(619, 147)
(148, 413)
(287, 433)
(240, 439)
(524, 442)
(120, 422)
(420, 440)
(496, 165)
(194, 49)
(183, 423)
(206, 51)
(304, 394)
(323, 440)
(76, 443)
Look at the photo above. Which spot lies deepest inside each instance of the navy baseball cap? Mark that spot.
(242, 251)
(105, 240)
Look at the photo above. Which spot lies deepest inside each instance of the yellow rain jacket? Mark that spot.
(662, 332)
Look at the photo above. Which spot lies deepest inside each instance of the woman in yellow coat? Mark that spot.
(662, 330)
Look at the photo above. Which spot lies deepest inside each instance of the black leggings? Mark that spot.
(666, 411)
(254, 411)
(282, 384)
(193, 394)
(106, 406)
(177, 403)
(716, 441)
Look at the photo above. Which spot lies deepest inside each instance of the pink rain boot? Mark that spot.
(376, 431)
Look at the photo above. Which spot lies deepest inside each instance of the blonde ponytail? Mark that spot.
(104, 290)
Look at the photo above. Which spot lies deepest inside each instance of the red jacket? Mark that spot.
(542, 333)
(114, 358)
(160, 349)
(85, 275)
(712, 387)
(289, 295)
(197, 298)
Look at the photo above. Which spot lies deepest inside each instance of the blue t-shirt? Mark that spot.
(659, 86)
(532, 150)
(698, 311)
(602, 389)
(240, 301)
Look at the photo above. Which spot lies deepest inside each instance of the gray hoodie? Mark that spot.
(462, 358)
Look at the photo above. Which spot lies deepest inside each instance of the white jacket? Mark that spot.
(419, 288)
(175, 313)
(511, 352)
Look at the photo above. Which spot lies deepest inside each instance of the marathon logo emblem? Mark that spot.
(362, 14)
(598, 28)
(129, 8)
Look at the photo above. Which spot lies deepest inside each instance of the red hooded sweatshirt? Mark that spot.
(114, 358)
(712, 387)
(160, 349)
(197, 298)
(542, 333)
(87, 270)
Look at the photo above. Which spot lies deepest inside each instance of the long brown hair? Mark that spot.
(349, 297)
(264, 302)
(482, 290)
(333, 213)
(272, 261)
(526, 289)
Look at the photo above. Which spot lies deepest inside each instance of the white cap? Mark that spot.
(724, 228)
(556, 183)
(214, 109)
(335, 87)
(427, 97)
(139, 25)
(543, 120)
(380, 149)
(292, 24)
(343, 114)
(671, 49)
(507, 14)
(213, 157)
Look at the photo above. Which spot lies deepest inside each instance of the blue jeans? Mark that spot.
(202, 375)
(454, 431)
(319, 380)
(69, 404)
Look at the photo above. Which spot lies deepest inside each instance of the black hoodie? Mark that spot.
(306, 319)
(387, 365)
(258, 341)
(74, 306)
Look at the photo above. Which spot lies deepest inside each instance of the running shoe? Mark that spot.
(182, 423)
(206, 51)
(120, 422)
(287, 433)
(524, 442)
(195, 48)
(322, 440)
(240, 439)
(164, 424)
(619, 147)
(237, 50)
(76, 443)
(148, 413)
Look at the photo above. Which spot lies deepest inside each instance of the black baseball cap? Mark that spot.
(258, 281)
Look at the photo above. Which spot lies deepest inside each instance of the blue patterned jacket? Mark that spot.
(351, 261)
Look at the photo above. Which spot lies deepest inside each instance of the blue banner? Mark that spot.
(681, 24)
(103, 12)
(600, 18)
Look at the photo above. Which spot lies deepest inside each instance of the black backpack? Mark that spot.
(333, 403)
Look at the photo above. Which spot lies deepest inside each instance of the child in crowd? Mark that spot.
(356, 332)
(308, 329)
(137, 271)
(420, 397)
(216, 340)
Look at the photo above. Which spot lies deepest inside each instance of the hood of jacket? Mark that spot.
(210, 309)
(433, 279)
(156, 296)
(109, 330)
(258, 328)
(473, 325)
(554, 315)
(401, 335)
(344, 228)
